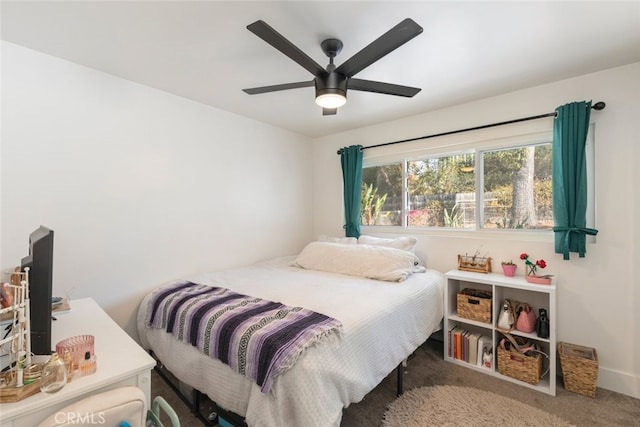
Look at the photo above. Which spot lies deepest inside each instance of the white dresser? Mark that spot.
(121, 361)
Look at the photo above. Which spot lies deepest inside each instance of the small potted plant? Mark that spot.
(509, 268)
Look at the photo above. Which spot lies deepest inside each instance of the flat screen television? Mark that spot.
(40, 263)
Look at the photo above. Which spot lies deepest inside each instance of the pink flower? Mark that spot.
(531, 267)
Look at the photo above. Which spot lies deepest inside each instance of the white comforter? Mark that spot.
(383, 323)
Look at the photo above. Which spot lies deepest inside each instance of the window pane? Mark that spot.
(517, 188)
(442, 192)
(382, 195)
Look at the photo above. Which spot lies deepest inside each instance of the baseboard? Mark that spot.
(620, 382)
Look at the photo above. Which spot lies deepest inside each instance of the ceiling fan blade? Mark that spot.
(274, 88)
(275, 39)
(329, 111)
(380, 87)
(386, 43)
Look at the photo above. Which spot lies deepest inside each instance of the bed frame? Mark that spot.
(211, 420)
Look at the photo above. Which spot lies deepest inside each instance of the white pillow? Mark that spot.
(373, 262)
(406, 243)
(343, 240)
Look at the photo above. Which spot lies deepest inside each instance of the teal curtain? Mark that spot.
(570, 178)
(351, 159)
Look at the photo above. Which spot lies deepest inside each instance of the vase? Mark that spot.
(509, 270)
(54, 375)
(539, 280)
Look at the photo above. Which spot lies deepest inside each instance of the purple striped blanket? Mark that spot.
(257, 338)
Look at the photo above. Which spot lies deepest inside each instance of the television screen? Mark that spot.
(40, 263)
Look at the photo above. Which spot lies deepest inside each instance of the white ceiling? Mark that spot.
(203, 51)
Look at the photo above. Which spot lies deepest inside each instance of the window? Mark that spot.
(382, 198)
(443, 190)
(517, 190)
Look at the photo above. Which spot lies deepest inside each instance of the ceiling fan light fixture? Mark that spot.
(331, 98)
(331, 83)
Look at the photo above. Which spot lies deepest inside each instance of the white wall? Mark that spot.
(598, 296)
(139, 186)
(142, 187)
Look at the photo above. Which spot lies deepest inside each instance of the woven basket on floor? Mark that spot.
(579, 368)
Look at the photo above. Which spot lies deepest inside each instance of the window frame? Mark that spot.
(476, 146)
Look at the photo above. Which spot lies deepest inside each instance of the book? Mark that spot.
(473, 348)
(458, 335)
(450, 341)
(463, 344)
(466, 345)
(60, 307)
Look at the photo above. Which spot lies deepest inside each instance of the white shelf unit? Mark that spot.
(501, 287)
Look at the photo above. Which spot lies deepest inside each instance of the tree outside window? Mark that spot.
(517, 188)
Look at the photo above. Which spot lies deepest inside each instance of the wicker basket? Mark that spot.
(474, 304)
(520, 366)
(579, 368)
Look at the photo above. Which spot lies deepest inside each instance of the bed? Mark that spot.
(381, 323)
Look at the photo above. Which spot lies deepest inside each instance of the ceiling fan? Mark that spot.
(331, 84)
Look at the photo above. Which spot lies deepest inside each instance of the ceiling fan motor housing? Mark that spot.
(331, 83)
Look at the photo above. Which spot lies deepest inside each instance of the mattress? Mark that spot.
(382, 324)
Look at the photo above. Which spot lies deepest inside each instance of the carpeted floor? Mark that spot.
(427, 368)
(442, 405)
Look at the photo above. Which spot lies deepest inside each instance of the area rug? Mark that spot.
(463, 406)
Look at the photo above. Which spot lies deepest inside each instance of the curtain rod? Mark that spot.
(597, 106)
